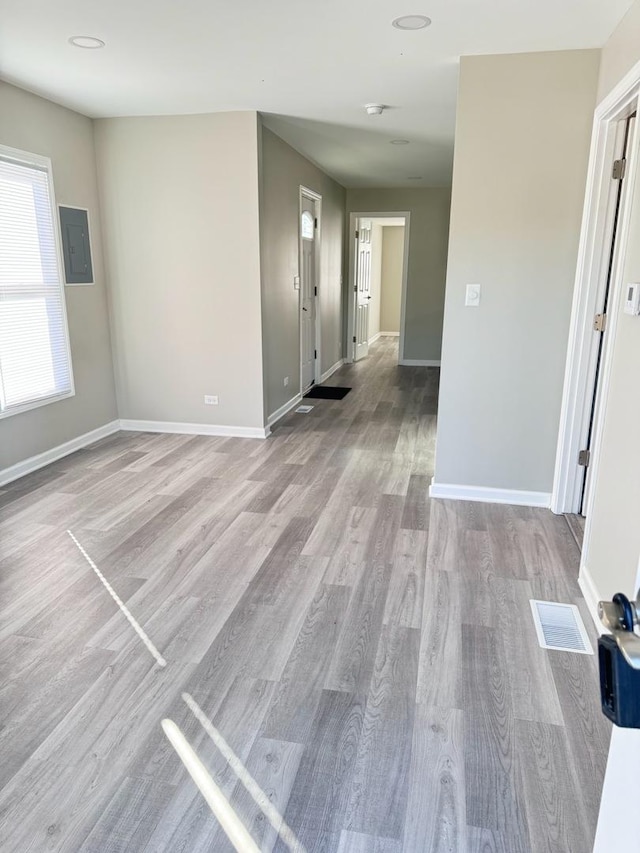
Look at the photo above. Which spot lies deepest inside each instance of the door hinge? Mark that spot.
(354, 339)
(619, 169)
(357, 234)
(315, 222)
(315, 291)
(315, 353)
(584, 457)
(599, 322)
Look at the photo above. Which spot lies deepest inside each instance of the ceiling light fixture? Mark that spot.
(374, 109)
(86, 42)
(415, 178)
(411, 22)
(399, 142)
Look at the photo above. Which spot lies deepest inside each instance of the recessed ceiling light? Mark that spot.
(415, 178)
(411, 22)
(399, 142)
(87, 42)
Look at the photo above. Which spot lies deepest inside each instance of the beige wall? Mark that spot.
(41, 127)
(375, 304)
(621, 52)
(283, 170)
(180, 212)
(522, 142)
(392, 262)
(428, 237)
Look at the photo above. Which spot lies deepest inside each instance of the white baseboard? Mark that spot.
(591, 595)
(389, 334)
(374, 338)
(282, 411)
(33, 463)
(194, 429)
(485, 494)
(332, 370)
(419, 362)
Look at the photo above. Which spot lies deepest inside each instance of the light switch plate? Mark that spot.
(472, 297)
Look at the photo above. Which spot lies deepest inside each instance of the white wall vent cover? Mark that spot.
(560, 627)
(304, 409)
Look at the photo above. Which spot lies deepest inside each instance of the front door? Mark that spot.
(363, 289)
(308, 234)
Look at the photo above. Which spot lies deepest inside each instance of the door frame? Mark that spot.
(593, 251)
(351, 283)
(312, 195)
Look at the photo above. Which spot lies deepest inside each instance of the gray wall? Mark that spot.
(522, 143)
(392, 258)
(429, 208)
(283, 170)
(613, 547)
(41, 127)
(180, 212)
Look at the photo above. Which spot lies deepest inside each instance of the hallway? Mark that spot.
(368, 654)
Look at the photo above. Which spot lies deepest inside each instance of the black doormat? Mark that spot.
(327, 392)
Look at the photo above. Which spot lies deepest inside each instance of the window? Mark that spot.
(35, 363)
(307, 229)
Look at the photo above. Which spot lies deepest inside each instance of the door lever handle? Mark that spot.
(304, 309)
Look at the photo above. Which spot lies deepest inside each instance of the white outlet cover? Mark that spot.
(286, 381)
(210, 400)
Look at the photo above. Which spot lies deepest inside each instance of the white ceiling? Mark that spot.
(309, 68)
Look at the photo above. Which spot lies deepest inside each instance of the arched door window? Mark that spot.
(306, 228)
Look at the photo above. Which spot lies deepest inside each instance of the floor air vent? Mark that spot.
(560, 627)
(304, 409)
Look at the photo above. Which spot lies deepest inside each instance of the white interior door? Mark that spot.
(363, 289)
(308, 234)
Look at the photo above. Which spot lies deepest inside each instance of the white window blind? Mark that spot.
(35, 364)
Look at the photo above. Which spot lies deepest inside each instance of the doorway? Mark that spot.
(378, 264)
(309, 261)
(595, 309)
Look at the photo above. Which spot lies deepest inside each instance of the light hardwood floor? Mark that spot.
(367, 653)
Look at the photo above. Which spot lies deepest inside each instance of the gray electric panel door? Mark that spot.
(74, 225)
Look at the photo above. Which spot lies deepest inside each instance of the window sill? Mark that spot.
(36, 404)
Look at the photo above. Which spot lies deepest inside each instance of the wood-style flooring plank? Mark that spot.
(358, 842)
(273, 765)
(494, 799)
(319, 797)
(300, 689)
(558, 821)
(436, 807)
(381, 771)
(440, 667)
(352, 665)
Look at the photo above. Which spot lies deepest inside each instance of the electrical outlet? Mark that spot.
(210, 400)
(286, 381)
